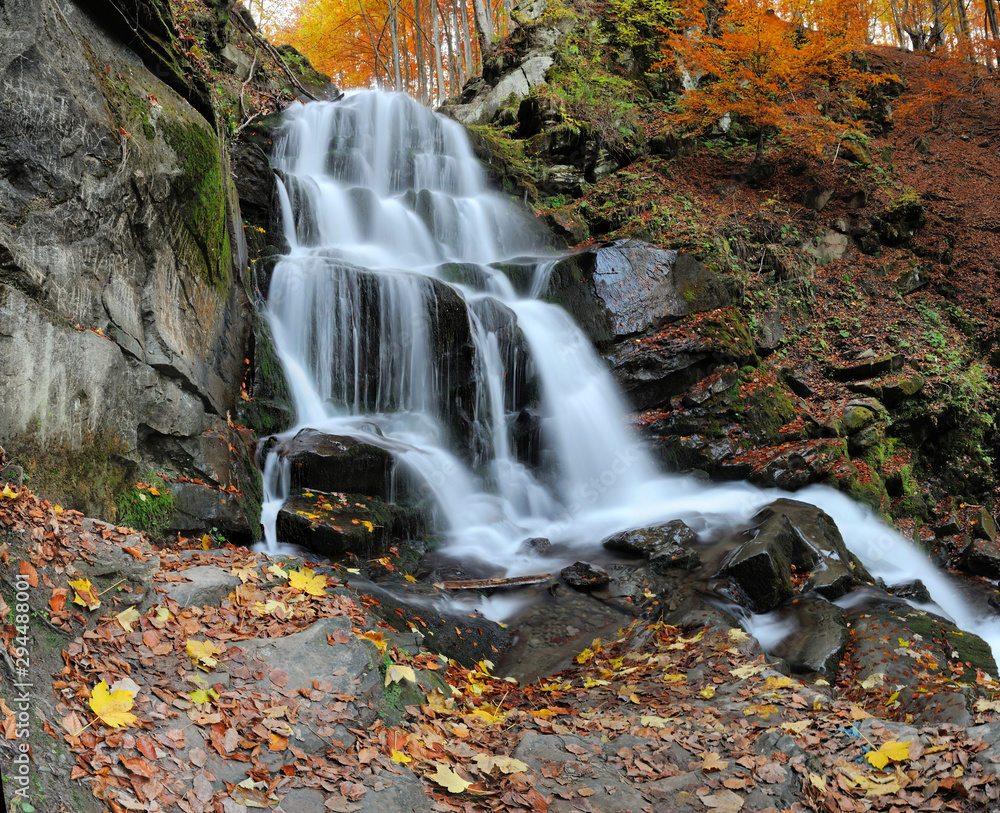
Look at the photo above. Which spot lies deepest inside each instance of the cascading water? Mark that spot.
(393, 321)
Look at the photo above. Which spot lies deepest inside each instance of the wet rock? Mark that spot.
(627, 286)
(336, 524)
(912, 649)
(817, 637)
(584, 575)
(337, 463)
(869, 368)
(671, 361)
(915, 590)
(538, 545)
(797, 383)
(790, 533)
(665, 546)
(984, 526)
(467, 637)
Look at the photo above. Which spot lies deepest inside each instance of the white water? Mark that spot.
(379, 196)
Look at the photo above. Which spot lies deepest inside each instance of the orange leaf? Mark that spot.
(27, 569)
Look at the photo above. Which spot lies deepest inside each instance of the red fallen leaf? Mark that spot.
(198, 757)
(28, 570)
(135, 552)
(279, 677)
(58, 601)
(338, 636)
(139, 766)
(146, 747)
(395, 740)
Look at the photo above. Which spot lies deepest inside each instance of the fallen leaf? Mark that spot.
(747, 671)
(448, 779)
(891, 750)
(711, 762)
(85, 594)
(202, 654)
(307, 581)
(487, 762)
(112, 707)
(396, 673)
(725, 801)
(127, 618)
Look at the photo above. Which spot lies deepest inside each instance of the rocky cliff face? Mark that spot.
(124, 317)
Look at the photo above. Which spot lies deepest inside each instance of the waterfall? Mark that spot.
(392, 318)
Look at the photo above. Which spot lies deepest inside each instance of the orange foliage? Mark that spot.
(796, 80)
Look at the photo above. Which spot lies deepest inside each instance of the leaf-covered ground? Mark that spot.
(659, 718)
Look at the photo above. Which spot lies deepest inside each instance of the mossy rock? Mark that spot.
(201, 192)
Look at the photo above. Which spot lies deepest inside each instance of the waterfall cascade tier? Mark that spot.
(396, 324)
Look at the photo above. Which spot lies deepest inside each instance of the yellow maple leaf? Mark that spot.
(127, 618)
(782, 682)
(400, 757)
(202, 653)
(891, 750)
(307, 581)
(584, 656)
(277, 570)
(202, 696)
(8, 493)
(708, 692)
(653, 721)
(244, 572)
(448, 779)
(873, 681)
(112, 707)
(85, 594)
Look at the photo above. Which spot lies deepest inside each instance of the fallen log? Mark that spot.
(484, 584)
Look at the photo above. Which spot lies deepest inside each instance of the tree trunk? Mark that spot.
(418, 34)
(397, 78)
(466, 42)
(439, 93)
(484, 26)
(894, 8)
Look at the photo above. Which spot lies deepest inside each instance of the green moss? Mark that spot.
(971, 648)
(139, 508)
(201, 192)
(89, 478)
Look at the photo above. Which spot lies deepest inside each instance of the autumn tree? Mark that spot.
(791, 76)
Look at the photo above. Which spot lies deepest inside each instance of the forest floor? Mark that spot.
(658, 718)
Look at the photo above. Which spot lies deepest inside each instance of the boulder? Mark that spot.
(204, 586)
(827, 247)
(790, 534)
(868, 368)
(817, 637)
(336, 524)
(920, 655)
(200, 508)
(120, 245)
(584, 575)
(665, 546)
(337, 463)
(625, 287)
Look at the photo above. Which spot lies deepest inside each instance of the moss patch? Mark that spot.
(202, 196)
(90, 479)
(143, 510)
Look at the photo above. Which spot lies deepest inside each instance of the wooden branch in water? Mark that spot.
(484, 584)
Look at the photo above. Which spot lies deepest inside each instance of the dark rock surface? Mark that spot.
(623, 288)
(669, 545)
(337, 463)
